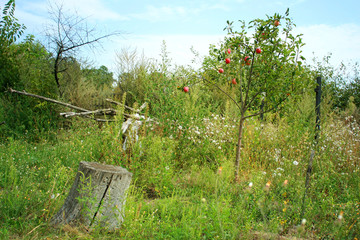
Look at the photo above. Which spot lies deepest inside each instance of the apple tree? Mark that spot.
(263, 62)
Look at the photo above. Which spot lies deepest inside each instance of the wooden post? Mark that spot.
(262, 110)
(312, 154)
(317, 106)
(97, 197)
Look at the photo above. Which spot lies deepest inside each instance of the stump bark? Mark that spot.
(97, 197)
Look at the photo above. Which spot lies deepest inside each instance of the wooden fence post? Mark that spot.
(317, 106)
(312, 154)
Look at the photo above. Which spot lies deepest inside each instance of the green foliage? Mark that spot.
(100, 77)
(10, 31)
(340, 84)
(23, 66)
(24, 116)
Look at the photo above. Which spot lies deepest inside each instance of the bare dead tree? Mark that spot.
(67, 34)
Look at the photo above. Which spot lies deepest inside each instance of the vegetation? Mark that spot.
(183, 158)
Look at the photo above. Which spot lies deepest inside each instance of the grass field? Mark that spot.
(182, 185)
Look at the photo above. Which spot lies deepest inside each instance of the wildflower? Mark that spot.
(220, 170)
(286, 182)
(267, 186)
(203, 200)
(295, 163)
(250, 184)
(303, 221)
(340, 217)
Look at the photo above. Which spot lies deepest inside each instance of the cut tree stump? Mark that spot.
(97, 197)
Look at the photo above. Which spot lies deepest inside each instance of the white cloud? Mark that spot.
(342, 41)
(35, 15)
(290, 3)
(165, 13)
(178, 47)
(33, 22)
(95, 9)
(160, 13)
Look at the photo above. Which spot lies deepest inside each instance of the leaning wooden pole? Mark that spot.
(48, 100)
(60, 103)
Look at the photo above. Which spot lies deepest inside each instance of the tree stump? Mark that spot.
(97, 197)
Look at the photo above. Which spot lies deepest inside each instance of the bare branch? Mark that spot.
(99, 112)
(130, 108)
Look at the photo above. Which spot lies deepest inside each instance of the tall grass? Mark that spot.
(182, 184)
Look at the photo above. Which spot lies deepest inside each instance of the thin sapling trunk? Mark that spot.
(238, 149)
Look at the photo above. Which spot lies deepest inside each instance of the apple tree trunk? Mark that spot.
(97, 197)
(238, 149)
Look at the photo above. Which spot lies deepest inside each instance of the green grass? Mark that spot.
(177, 190)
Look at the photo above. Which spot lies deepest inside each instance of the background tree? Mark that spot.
(10, 31)
(101, 77)
(66, 36)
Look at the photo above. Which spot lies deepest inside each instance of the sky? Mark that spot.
(328, 26)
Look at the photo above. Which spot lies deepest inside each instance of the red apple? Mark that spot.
(227, 60)
(221, 70)
(276, 23)
(248, 62)
(246, 58)
(186, 89)
(228, 50)
(234, 81)
(258, 50)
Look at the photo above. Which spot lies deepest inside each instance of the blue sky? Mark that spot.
(328, 26)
